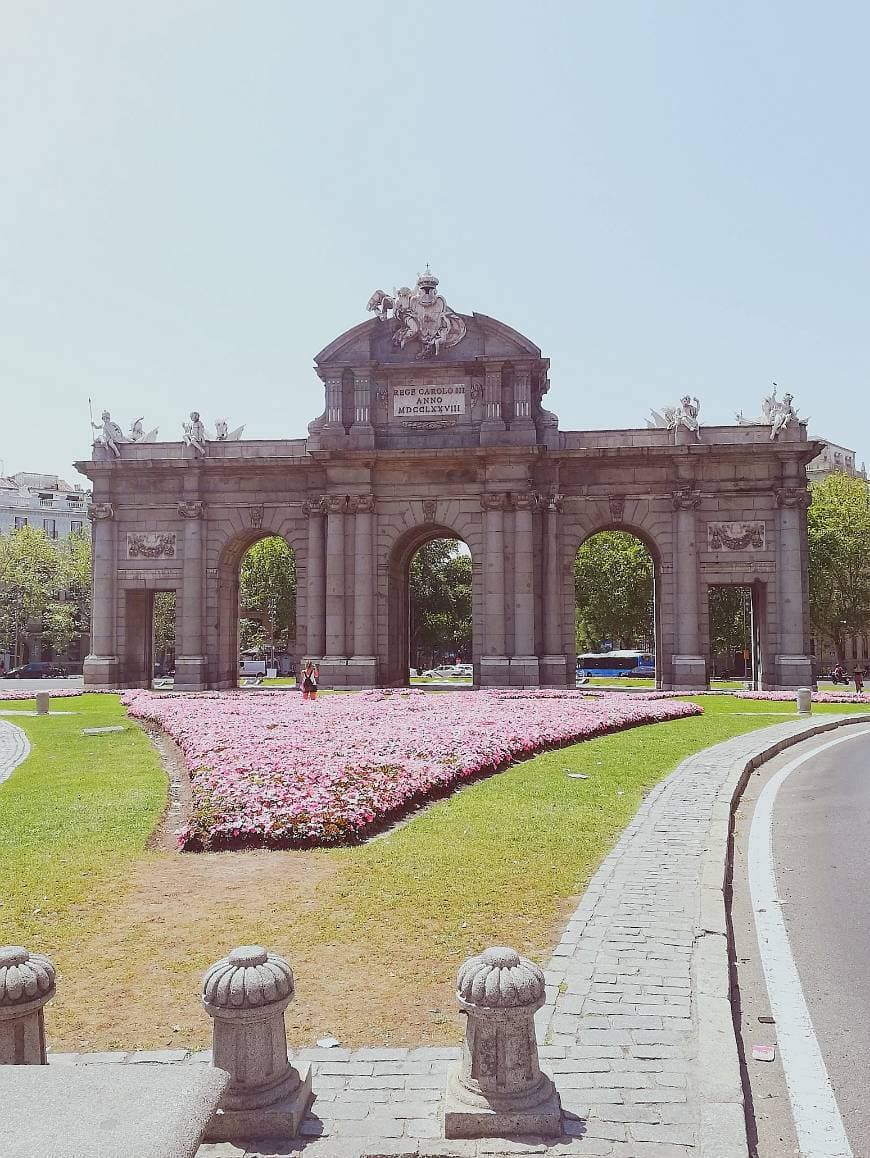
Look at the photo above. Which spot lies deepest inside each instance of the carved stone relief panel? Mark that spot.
(736, 536)
(151, 544)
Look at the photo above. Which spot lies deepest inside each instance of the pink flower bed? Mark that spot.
(818, 697)
(28, 695)
(269, 769)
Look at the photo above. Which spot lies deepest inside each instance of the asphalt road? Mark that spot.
(821, 840)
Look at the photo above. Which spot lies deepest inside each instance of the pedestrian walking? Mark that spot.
(310, 676)
(859, 680)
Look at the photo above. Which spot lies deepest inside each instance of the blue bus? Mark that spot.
(616, 663)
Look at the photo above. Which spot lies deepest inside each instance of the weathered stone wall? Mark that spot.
(725, 510)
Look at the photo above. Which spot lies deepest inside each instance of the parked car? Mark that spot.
(37, 671)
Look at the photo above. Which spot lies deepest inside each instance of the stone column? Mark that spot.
(493, 656)
(363, 665)
(524, 661)
(101, 666)
(498, 1087)
(362, 433)
(554, 664)
(689, 666)
(27, 982)
(190, 663)
(492, 429)
(333, 428)
(793, 661)
(335, 660)
(246, 994)
(315, 589)
(522, 398)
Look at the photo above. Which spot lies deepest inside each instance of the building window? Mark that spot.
(75, 525)
(20, 521)
(48, 525)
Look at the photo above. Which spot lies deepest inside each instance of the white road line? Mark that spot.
(820, 1129)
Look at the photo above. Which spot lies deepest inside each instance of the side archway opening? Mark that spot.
(616, 610)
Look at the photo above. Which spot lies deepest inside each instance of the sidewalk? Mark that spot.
(637, 1030)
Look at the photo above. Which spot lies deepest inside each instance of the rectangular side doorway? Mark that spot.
(162, 637)
(735, 633)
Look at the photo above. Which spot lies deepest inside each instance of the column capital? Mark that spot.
(361, 504)
(525, 501)
(550, 502)
(191, 510)
(336, 504)
(101, 511)
(793, 497)
(494, 502)
(686, 499)
(314, 506)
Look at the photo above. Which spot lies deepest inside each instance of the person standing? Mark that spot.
(859, 680)
(310, 676)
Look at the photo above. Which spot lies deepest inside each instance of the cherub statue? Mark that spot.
(194, 432)
(780, 414)
(111, 436)
(686, 414)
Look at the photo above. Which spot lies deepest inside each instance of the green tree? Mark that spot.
(45, 586)
(613, 584)
(267, 594)
(838, 535)
(440, 598)
(730, 620)
(163, 622)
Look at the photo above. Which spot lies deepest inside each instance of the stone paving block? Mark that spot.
(424, 1128)
(105, 1058)
(675, 1135)
(349, 1069)
(63, 1059)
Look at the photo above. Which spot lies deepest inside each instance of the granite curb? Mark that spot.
(718, 1078)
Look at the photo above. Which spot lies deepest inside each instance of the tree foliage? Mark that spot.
(730, 620)
(838, 533)
(267, 594)
(613, 584)
(45, 587)
(440, 598)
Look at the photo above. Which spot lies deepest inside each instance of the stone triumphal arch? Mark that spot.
(434, 425)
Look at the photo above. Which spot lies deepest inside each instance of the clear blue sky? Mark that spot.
(196, 196)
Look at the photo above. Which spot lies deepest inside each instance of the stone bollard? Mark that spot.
(41, 703)
(246, 994)
(498, 1087)
(26, 984)
(804, 701)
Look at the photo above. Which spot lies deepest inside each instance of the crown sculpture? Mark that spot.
(421, 313)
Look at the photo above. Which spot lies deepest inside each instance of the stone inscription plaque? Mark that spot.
(151, 544)
(736, 536)
(435, 401)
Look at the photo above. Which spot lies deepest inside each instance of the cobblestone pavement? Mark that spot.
(14, 747)
(620, 1033)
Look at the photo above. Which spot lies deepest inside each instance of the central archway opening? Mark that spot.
(616, 618)
(267, 610)
(430, 610)
(439, 612)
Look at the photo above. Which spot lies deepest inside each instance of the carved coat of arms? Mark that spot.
(421, 313)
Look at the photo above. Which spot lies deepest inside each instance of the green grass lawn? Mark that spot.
(73, 816)
(500, 861)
